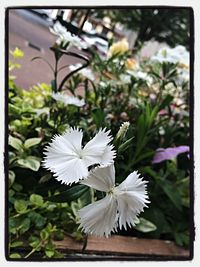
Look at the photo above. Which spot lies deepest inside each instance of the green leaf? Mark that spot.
(76, 206)
(37, 219)
(98, 117)
(11, 178)
(12, 157)
(13, 109)
(36, 200)
(59, 235)
(182, 239)
(44, 234)
(15, 142)
(49, 227)
(69, 195)
(12, 225)
(32, 142)
(17, 187)
(29, 163)
(166, 102)
(34, 241)
(184, 190)
(145, 155)
(15, 256)
(24, 225)
(145, 226)
(20, 206)
(45, 178)
(125, 145)
(153, 115)
(16, 244)
(157, 217)
(49, 253)
(140, 129)
(172, 192)
(151, 172)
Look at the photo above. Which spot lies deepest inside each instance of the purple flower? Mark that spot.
(163, 154)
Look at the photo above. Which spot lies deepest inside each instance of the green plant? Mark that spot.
(40, 208)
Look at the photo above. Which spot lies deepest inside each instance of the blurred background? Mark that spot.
(147, 30)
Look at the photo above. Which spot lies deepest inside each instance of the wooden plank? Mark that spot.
(123, 245)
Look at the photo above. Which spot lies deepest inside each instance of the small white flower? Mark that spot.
(85, 72)
(40, 111)
(124, 78)
(68, 100)
(120, 207)
(69, 161)
(179, 54)
(183, 76)
(141, 75)
(65, 36)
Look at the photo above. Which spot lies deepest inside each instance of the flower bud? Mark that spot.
(123, 130)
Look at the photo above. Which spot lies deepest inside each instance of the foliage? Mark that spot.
(40, 208)
(163, 25)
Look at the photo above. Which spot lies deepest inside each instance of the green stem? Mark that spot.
(56, 75)
(33, 250)
(95, 91)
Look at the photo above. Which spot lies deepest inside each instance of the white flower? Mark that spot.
(183, 76)
(141, 75)
(120, 207)
(179, 54)
(65, 36)
(124, 78)
(68, 100)
(85, 72)
(69, 161)
(40, 111)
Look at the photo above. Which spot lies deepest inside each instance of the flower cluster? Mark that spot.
(66, 37)
(68, 100)
(120, 207)
(175, 55)
(71, 162)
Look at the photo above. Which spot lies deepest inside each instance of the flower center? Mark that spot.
(80, 154)
(114, 191)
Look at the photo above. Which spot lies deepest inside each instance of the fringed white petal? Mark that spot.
(102, 179)
(68, 170)
(132, 198)
(95, 149)
(74, 138)
(108, 156)
(127, 211)
(72, 171)
(62, 157)
(100, 217)
(69, 162)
